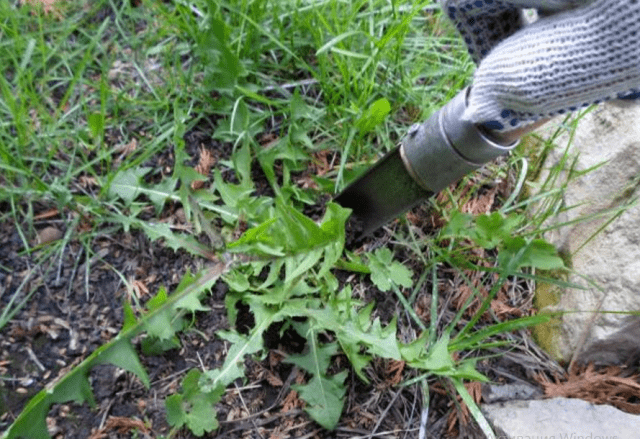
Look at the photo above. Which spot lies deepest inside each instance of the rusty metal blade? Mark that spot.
(382, 193)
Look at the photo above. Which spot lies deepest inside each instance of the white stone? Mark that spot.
(560, 418)
(608, 139)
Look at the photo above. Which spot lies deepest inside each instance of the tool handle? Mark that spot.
(446, 147)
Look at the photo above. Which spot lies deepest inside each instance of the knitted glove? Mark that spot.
(578, 53)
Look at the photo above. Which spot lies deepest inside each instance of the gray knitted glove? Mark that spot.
(578, 53)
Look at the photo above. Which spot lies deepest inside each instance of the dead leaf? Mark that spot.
(203, 167)
(394, 371)
(48, 6)
(279, 433)
(480, 204)
(321, 164)
(306, 182)
(602, 386)
(46, 214)
(463, 416)
(414, 219)
(274, 358)
(122, 425)
(48, 234)
(502, 309)
(273, 379)
(88, 181)
(127, 148)
(292, 401)
(139, 289)
(268, 139)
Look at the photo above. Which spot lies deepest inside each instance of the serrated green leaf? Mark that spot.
(542, 255)
(289, 232)
(386, 272)
(466, 370)
(193, 407)
(299, 232)
(152, 345)
(75, 387)
(191, 303)
(518, 252)
(161, 192)
(297, 265)
(221, 66)
(381, 341)
(258, 237)
(317, 359)
(176, 417)
(31, 422)
(357, 359)
(160, 325)
(415, 350)
(237, 281)
(173, 240)
(299, 109)
(155, 231)
(324, 397)
(129, 317)
(437, 360)
(121, 354)
(373, 116)
(241, 158)
(159, 299)
(202, 417)
(492, 229)
(459, 225)
(241, 346)
(333, 223)
(126, 184)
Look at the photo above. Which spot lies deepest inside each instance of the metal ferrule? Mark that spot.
(444, 148)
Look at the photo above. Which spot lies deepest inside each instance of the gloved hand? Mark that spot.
(578, 53)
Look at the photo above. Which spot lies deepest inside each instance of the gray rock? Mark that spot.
(560, 418)
(606, 142)
(506, 392)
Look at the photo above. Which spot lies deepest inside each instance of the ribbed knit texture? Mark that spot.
(560, 63)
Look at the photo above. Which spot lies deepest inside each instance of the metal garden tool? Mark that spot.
(577, 53)
(432, 155)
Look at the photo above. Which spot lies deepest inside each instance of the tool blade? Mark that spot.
(382, 193)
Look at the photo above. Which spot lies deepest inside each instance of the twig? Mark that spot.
(384, 414)
(34, 359)
(291, 84)
(255, 426)
(424, 416)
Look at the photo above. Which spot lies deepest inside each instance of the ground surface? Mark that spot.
(77, 306)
